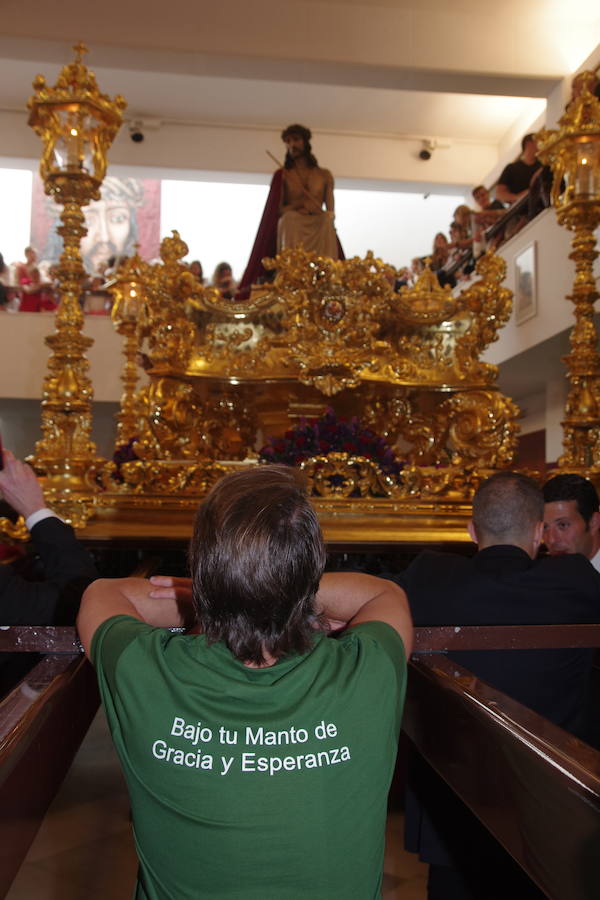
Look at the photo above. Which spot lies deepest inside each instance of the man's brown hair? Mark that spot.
(256, 558)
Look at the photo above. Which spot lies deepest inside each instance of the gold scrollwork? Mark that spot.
(341, 475)
(479, 428)
(16, 532)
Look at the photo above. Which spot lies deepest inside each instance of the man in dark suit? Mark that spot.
(502, 584)
(68, 568)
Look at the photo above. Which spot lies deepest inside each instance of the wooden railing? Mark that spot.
(42, 723)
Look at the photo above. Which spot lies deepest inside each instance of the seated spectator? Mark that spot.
(439, 260)
(439, 250)
(490, 209)
(403, 278)
(51, 291)
(462, 218)
(30, 284)
(223, 280)
(417, 267)
(96, 301)
(5, 284)
(490, 212)
(516, 177)
(262, 745)
(196, 269)
(461, 261)
(67, 567)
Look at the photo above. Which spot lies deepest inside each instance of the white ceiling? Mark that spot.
(464, 71)
(174, 97)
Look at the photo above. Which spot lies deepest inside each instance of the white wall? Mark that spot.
(20, 426)
(217, 214)
(218, 221)
(555, 275)
(23, 357)
(197, 147)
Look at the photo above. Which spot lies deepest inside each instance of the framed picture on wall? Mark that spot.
(525, 284)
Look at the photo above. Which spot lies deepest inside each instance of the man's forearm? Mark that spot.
(504, 195)
(342, 595)
(359, 599)
(110, 597)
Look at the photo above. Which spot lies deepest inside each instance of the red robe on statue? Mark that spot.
(265, 243)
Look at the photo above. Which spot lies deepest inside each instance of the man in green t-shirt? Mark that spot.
(259, 750)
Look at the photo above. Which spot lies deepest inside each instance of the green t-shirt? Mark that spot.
(261, 784)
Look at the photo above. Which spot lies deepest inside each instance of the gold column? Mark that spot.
(128, 292)
(77, 125)
(573, 153)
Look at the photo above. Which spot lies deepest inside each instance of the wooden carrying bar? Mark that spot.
(55, 639)
(535, 787)
(42, 723)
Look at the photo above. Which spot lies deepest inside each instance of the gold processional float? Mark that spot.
(379, 396)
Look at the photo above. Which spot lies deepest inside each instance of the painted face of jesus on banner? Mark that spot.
(112, 228)
(127, 213)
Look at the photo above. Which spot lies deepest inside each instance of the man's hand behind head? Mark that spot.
(19, 486)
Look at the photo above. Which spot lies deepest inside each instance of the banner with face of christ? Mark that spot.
(127, 213)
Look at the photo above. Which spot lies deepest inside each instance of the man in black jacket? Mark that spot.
(503, 584)
(68, 568)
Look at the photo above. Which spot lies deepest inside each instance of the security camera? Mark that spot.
(426, 151)
(135, 133)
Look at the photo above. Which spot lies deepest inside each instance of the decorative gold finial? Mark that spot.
(80, 49)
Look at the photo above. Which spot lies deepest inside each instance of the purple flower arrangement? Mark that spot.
(328, 434)
(123, 453)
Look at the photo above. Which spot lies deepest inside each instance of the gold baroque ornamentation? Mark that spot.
(489, 306)
(14, 531)
(168, 288)
(175, 420)
(423, 434)
(573, 153)
(479, 428)
(328, 324)
(336, 306)
(445, 482)
(440, 341)
(314, 323)
(427, 303)
(340, 475)
(223, 370)
(181, 426)
(162, 477)
(386, 416)
(127, 289)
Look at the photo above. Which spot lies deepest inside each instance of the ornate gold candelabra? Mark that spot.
(573, 153)
(77, 125)
(127, 289)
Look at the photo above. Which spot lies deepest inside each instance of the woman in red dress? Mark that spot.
(28, 278)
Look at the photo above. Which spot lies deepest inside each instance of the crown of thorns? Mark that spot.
(304, 133)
